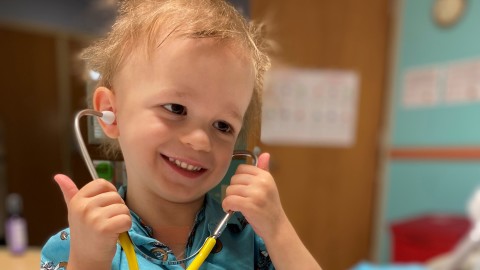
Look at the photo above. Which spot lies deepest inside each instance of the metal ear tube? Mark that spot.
(108, 117)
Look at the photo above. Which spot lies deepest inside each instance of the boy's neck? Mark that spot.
(174, 237)
(158, 213)
(171, 222)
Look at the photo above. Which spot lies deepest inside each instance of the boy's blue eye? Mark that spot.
(176, 108)
(223, 126)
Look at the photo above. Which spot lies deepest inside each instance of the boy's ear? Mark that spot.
(104, 100)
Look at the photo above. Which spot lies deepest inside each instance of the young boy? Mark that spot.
(183, 78)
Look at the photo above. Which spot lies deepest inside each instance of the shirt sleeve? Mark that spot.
(262, 259)
(55, 252)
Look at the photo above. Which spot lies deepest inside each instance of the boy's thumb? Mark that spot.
(68, 187)
(263, 162)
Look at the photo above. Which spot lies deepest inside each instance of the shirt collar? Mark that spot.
(211, 211)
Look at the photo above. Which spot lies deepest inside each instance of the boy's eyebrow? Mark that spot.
(180, 93)
(235, 115)
(173, 92)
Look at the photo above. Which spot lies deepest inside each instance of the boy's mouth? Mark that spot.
(184, 165)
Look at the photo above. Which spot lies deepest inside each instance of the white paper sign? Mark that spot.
(448, 84)
(463, 82)
(420, 87)
(310, 107)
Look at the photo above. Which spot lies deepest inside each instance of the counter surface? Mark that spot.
(29, 260)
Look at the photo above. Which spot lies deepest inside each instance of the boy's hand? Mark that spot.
(96, 215)
(253, 192)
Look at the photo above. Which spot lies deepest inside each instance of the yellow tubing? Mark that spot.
(127, 247)
(203, 254)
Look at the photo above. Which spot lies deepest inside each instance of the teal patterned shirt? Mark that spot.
(237, 248)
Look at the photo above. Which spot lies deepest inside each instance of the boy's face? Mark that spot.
(179, 114)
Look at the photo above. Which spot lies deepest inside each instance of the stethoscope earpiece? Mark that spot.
(108, 117)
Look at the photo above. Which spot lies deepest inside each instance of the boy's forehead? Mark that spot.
(140, 58)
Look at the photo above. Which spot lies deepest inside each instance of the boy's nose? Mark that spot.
(197, 139)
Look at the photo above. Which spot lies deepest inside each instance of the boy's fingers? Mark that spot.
(68, 187)
(263, 161)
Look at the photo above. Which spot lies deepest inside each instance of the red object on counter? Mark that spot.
(421, 238)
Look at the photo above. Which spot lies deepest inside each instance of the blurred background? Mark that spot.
(376, 162)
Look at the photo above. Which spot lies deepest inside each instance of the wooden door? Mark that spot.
(328, 192)
(29, 109)
(40, 92)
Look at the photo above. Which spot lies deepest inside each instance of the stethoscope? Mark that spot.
(124, 239)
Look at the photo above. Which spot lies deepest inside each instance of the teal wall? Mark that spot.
(415, 187)
(421, 43)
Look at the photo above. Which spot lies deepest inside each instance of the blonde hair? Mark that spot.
(140, 22)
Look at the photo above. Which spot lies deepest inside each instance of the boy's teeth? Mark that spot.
(184, 165)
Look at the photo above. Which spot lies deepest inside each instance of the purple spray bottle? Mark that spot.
(16, 226)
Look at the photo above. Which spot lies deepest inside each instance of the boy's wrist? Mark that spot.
(280, 232)
(284, 235)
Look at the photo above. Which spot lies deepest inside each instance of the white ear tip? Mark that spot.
(108, 117)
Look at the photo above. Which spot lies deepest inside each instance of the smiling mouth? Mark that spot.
(184, 165)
